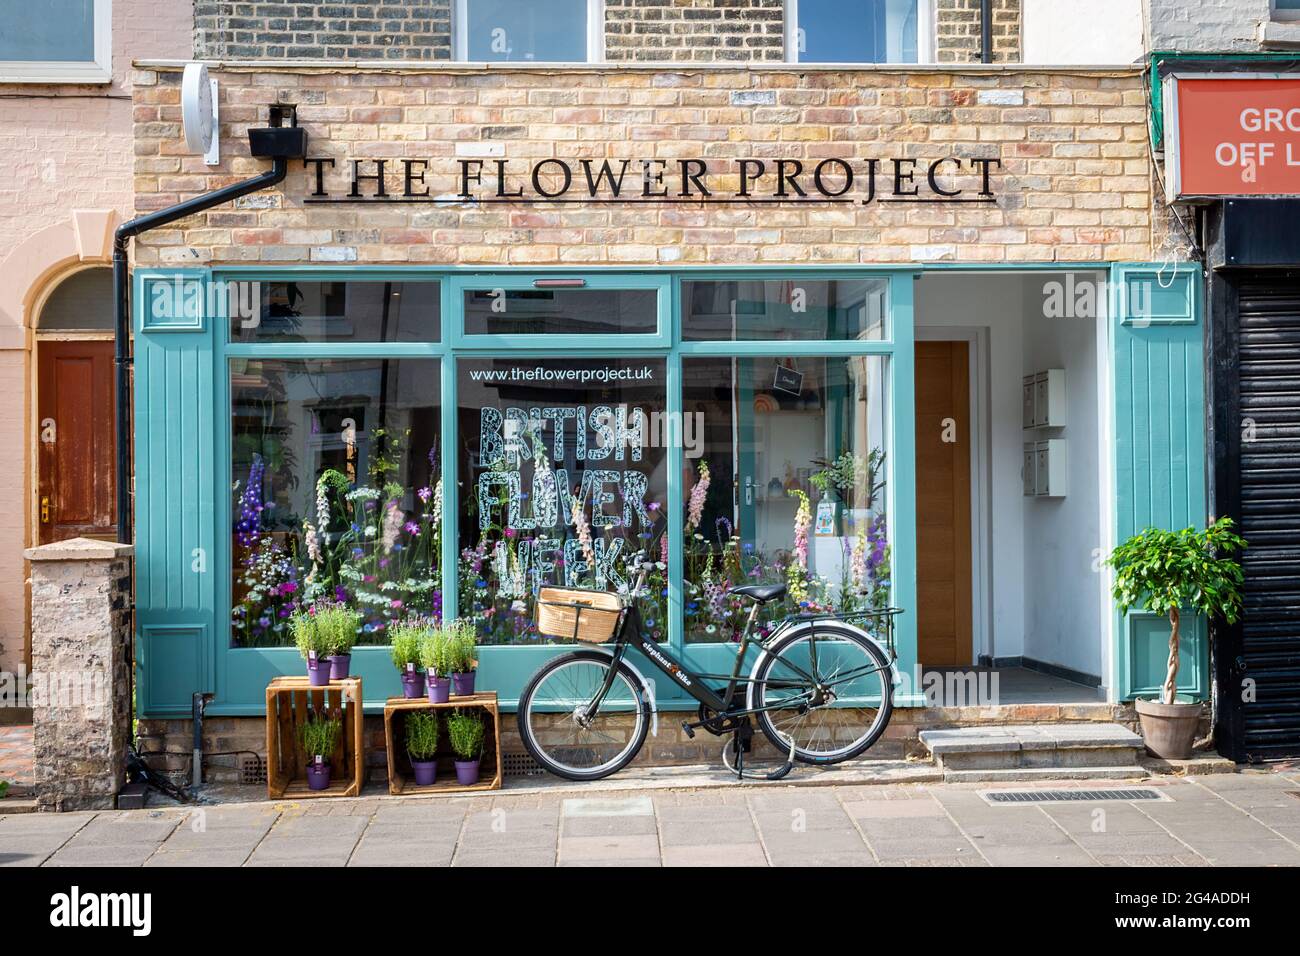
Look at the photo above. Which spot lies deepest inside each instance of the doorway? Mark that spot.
(75, 426)
(943, 503)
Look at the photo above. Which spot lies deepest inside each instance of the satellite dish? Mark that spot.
(199, 112)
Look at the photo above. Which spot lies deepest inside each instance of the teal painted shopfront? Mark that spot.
(442, 442)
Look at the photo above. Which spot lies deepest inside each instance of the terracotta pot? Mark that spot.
(1168, 729)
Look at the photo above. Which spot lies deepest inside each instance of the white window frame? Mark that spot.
(1282, 16)
(925, 32)
(98, 70)
(595, 34)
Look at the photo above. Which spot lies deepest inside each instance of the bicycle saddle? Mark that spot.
(762, 593)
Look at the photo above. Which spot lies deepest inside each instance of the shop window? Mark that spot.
(81, 302)
(333, 311)
(795, 310)
(563, 479)
(870, 31)
(529, 31)
(58, 41)
(787, 482)
(561, 312)
(336, 492)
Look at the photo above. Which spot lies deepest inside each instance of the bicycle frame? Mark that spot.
(631, 634)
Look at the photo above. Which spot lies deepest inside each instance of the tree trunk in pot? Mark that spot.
(1171, 672)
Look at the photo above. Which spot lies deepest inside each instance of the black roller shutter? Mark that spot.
(1268, 638)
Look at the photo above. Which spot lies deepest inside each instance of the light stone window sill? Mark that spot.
(1280, 34)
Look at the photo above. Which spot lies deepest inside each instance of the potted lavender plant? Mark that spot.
(338, 626)
(465, 731)
(436, 656)
(312, 645)
(422, 745)
(319, 736)
(464, 657)
(407, 637)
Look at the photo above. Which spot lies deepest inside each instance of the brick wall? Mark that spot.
(377, 30)
(698, 30)
(958, 29)
(1205, 25)
(1074, 181)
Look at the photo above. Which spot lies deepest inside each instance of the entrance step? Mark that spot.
(1036, 750)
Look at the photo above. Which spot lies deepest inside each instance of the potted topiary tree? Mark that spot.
(311, 643)
(1166, 572)
(338, 626)
(436, 656)
(465, 731)
(319, 735)
(464, 657)
(407, 636)
(422, 745)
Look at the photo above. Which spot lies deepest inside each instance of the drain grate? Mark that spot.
(252, 769)
(1013, 797)
(520, 765)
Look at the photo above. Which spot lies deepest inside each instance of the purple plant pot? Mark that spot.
(467, 772)
(412, 684)
(425, 771)
(318, 672)
(339, 665)
(439, 690)
(318, 776)
(462, 685)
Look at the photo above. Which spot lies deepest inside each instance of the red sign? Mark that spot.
(1232, 136)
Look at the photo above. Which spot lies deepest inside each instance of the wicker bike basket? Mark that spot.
(578, 614)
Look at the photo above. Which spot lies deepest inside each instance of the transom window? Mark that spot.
(58, 41)
(869, 31)
(529, 31)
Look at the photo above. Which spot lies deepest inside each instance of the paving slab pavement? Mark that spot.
(1249, 819)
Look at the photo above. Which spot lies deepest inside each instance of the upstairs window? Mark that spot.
(57, 41)
(870, 31)
(529, 31)
(1286, 9)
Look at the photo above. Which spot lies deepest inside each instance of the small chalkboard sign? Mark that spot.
(788, 380)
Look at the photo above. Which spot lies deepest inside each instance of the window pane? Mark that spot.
(336, 492)
(563, 476)
(793, 309)
(58, 30)
(561, 312)
(788, 484)
(332, 311)
(869, 31)
(520, 30)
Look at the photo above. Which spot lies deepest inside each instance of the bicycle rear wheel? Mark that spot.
(828, 690)
(553, 722)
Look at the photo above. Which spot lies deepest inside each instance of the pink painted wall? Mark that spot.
(63, 148)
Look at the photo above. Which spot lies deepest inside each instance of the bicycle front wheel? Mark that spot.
(566, 734)
(828, 691)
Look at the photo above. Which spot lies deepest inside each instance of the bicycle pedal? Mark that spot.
(690, 731)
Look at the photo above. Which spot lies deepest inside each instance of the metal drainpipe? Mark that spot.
(122, 315)
(986, 31)
(201, 701)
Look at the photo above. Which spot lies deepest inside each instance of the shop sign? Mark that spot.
(646, 181)
(1232, 135)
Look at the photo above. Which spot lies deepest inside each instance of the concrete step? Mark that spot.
(1070, 746)
(1030, 774)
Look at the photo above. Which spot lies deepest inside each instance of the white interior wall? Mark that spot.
(994, 303)
(1062, 32)
(1062, 536)
(1045, 599)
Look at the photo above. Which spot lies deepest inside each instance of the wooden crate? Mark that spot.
(400, 779)
(288, 701)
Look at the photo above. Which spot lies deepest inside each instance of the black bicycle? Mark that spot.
(820, 687)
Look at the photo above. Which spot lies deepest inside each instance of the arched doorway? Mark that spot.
(74, 409)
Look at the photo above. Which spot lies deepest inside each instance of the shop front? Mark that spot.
(887, 337)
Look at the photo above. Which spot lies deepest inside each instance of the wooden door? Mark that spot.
(943, 515)
(75, 438)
